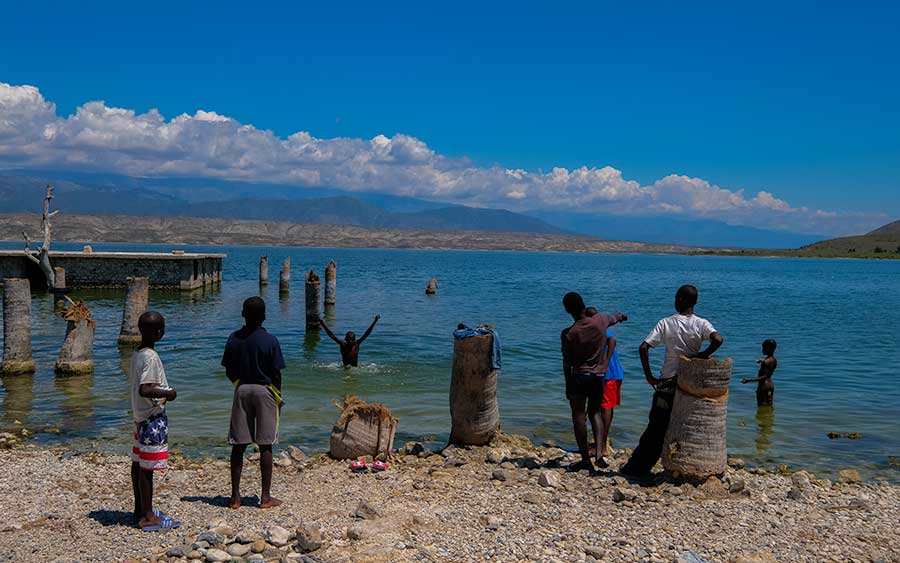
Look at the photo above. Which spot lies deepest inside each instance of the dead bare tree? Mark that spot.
(41, 257)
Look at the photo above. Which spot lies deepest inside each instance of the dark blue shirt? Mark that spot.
(252, 355)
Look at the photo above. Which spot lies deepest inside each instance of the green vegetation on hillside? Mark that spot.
(882, 244)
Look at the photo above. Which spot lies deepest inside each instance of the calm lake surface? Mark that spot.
(836, 322)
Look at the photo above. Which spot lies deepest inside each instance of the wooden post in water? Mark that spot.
(694, 448)
(263, 270)
(330, 282)
(284, 278)
(137, 297)
(77, 354)
(59, 285)
(432, 286)
(17, 357)
(475, 417)
(313, 300)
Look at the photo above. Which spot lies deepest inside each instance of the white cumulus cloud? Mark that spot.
(206, 144)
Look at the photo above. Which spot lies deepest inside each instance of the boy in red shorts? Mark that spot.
(612, 394)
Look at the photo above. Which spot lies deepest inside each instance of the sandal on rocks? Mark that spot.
(378, 466)
(358, 466)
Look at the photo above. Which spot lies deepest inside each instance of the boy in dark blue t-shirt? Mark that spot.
(253, 362)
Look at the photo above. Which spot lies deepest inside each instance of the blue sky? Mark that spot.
(797, 99)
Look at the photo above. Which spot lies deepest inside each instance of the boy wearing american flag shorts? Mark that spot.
(149, 393)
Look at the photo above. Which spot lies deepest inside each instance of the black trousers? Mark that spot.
(650, 446)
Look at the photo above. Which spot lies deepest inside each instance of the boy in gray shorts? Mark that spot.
(253, 362)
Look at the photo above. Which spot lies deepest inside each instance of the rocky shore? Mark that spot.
(510, 501)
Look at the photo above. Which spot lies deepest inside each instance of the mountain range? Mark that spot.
(102, 194)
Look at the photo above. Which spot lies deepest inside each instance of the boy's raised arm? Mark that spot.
(328, 331)
(369, 330)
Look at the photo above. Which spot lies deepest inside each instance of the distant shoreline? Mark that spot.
(130, 229)
(126, 229)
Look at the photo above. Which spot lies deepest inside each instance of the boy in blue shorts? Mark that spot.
(149, 393)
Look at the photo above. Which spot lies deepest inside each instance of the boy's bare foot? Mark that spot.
(270, 502)
(234, 503)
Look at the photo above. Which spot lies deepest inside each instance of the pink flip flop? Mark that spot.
(358, 466)
(378, 466)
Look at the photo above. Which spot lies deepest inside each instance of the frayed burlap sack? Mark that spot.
(362, 429)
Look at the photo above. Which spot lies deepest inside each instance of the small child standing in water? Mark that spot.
(765, 391)
(150, 391)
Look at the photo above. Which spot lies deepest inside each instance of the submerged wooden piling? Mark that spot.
(59, 285)
(474, 414)
(695, 448)
(17, 357)
(77, 354)
(284, 277)
(263, 270)
(330, 282)
(313, 300)
(432, 286)
(137, 297)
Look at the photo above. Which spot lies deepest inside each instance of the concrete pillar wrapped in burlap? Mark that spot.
(263, 270)
(363, 429)
(17, 357)
(313, 300)
(284, 277)
(137, 299)
(474, 414)
(77, 354)
(695, 447)
(330, 282)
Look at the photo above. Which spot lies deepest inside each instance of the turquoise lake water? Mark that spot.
(836, 322)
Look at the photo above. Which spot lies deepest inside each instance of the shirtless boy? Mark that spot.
(765, 391)
(349, 344)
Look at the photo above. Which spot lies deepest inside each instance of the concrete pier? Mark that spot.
(174, 270)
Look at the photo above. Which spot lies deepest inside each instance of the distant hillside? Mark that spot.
(192, 230)
(24, 194)
(674, 230)
(889, 230)
(882, 243)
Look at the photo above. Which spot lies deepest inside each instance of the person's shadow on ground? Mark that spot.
(221, 500)
(112, 517)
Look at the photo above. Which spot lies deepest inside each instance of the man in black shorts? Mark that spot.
(253, 362)
(585, 361)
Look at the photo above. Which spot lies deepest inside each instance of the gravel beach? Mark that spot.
(510, 501)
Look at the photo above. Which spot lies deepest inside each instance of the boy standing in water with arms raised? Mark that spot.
(349, 345)
(253, 362)
(765, 391)
(149, 393)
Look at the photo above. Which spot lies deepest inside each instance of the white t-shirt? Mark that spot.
(146, 367)
(683, 335)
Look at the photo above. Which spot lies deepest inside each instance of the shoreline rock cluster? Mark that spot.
(508, 501)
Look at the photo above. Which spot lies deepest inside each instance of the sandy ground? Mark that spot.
(507, 502)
